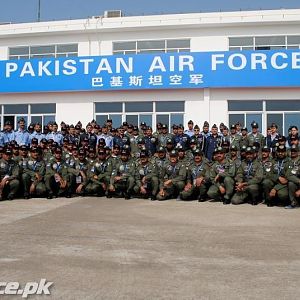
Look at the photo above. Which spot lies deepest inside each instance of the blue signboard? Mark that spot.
(280, 68)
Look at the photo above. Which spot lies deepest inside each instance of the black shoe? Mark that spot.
(10, 197)
(153, 198)
(200, 199)
(226, 201)
(126, 196)
(50, 195)
(68, 195)
(26, 196)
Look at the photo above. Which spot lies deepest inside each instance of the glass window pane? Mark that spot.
(184, 50)
(291, 120)
(116, 120)
(124, 46)
(176, 119)
(263, 48)
(253, 117)
(152, 51)
(240, 41)
(288, 105)
(233, 119)
(245, 105)
(42, 55)
(293, 39)
(37, 119)
(67, 48)
(132, 119)
(42, 49)
(293, 47)
(19, 57)
(170, 106)
(139, 106)
(270, 40)
(164, 119)
(48, 119)
(147, 119)
(178, 43)
(19, 51)
(16, 109)
(107, 107)
(277, 119)
(49, 108)
(101, 119)
(151, 44)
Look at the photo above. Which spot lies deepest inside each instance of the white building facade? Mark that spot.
(180, 33)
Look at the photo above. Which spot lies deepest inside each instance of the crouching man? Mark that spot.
(172, 178)
(33, 175)
(197, 179)
(122, 177)
(222, 175)
(146, 178)
(57, 179)
(248, 178)
(9, 176)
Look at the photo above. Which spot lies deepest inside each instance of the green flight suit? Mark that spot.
(175, 172)
(250, 172)
(79, 170)
(226, 171)
(99, 177)
(126, 170)
(146, 176)
(194, 172)
(52, 183)
(9, 170)
(33, 173)
(293, 176)
(277, 168)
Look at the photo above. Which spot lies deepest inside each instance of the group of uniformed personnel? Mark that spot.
(236, 167)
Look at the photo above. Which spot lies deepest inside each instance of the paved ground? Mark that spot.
(98, 248)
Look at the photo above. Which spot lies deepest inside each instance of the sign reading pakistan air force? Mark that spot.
(144, 71)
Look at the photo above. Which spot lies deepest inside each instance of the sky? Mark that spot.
(19, 11)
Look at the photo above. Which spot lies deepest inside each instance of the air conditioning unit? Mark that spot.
(113, 14)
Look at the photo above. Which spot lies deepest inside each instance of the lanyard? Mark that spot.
(279, 167)
(58, 167)
(145, 170)
(34, 166)
(249, 168)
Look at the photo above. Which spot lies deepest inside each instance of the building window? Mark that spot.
(264, 42)
(151, 46)
(151, 112)
(284, 113)
(32, 113)
(43, 51)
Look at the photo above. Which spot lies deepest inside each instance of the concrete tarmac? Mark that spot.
(98, 248)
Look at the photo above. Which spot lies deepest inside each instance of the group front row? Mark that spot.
(250, 176)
